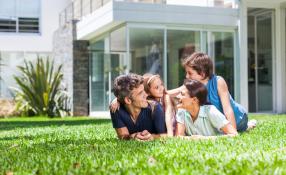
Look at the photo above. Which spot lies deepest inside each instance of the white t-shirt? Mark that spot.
(208, 123)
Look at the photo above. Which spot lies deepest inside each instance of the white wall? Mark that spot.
(14, 47)
(115, 13)
(42, 42)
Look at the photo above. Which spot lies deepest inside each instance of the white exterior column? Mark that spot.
(279, 72)
(243, 61)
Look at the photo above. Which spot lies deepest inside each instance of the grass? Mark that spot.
(90, 146)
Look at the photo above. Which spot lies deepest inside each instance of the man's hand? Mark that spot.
(143, 136)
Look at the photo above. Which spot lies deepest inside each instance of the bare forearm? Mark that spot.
(127, 136)
(169, 119)
(174, 92)
(230, 117)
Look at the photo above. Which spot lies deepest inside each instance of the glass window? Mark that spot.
(19, 16)
(205, 3)
(118, 40)
(180, 44)
(223, 55)
(7, 8)
(146, 50)
(97, 82)
(28, 8)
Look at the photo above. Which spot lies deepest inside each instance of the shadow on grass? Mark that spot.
(11, 125)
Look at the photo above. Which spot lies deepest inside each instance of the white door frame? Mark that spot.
(279, 73)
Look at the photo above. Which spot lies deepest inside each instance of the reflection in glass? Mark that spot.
(105, 67)
(180, 44)
(146, 50)
(224, 57)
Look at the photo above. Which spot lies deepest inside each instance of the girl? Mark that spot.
(197, 118)
(199, 66)
(153, 86)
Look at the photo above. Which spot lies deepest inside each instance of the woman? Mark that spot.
(197, 118)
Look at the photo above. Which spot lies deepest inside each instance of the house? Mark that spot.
(245, 39)
(26, 31)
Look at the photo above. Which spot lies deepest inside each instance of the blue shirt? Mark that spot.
(213, 98)
(154, 122)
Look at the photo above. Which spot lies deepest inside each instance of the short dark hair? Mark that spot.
(124, 84)
(197, 89)
(200, 62)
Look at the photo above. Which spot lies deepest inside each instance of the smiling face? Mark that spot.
(138, 97)
(185, 101)
(156, 88)
(192, 74)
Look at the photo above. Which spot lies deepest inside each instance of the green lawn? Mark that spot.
(89, 146)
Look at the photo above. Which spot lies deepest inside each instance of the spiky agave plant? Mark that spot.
(39, 87)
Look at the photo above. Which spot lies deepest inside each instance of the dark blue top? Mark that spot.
(214, 99)
(154, 121)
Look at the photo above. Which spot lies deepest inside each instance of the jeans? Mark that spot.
(242, 125)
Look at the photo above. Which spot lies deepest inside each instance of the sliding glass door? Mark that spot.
(260, 56)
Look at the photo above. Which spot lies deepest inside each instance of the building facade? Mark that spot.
(26, 32)
(245, 39)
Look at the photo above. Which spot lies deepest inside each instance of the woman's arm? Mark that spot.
(198, 137)
(225, 101)
(169, 115)
(180, 129)
(229, 130)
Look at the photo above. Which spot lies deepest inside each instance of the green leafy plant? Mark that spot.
(40, 91)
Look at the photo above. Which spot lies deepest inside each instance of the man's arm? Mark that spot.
(123, 133)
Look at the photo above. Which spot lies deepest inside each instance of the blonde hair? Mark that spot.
(148, 79)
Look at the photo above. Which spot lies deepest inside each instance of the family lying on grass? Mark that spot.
(201, 108)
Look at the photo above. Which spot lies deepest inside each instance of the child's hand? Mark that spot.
(114, 105)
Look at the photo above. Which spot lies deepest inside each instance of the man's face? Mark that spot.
(139, 97)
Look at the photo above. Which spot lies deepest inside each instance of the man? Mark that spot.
(136, 119)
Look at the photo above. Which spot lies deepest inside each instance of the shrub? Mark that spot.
(39, 90)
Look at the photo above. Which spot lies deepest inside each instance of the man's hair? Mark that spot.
(200, 62)
(197, 89)
(124, 84)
